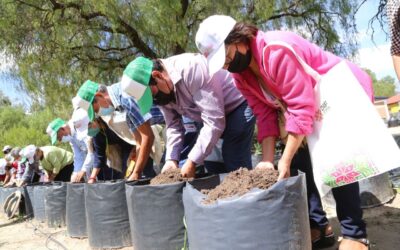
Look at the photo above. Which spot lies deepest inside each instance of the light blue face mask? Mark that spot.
(106, 111)
(66, 138)
(92, 132)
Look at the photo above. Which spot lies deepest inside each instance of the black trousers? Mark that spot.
(348, 202)
(65, 173)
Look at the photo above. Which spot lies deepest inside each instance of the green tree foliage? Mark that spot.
(21, 129)
(384, 86)
(4, 100)
(57, 44)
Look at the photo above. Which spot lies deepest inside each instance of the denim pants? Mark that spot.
(348, 202)
(238, 140)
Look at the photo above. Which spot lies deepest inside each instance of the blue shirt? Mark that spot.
(79, 149)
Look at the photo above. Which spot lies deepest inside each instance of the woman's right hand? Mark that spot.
(264, 165)
(169, 165)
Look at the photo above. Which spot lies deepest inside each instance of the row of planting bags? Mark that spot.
(173, 216)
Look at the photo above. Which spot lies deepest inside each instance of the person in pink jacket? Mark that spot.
(272, 77)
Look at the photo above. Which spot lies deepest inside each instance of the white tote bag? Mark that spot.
(350, 142)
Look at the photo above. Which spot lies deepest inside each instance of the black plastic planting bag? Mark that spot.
(1, 196)
(107, 215)
(55, 204)
(28, 196)
(5, 193)
(76, 215)
(276, 218)
(38, 203)
(156, 214)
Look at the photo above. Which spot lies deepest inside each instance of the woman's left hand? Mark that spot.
(284, 170)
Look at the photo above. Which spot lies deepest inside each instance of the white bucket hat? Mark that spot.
(29, 152)
(81, 120)
(210, 39)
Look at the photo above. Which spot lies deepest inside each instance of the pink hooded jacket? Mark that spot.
(286, 79)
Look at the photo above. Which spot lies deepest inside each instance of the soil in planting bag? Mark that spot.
(156, 213)
(276, 218)
(38, 203)
(76, 216)
(28, 197)
(55, 204)
(107, 215)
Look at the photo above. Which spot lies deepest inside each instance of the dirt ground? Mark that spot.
(383, 228)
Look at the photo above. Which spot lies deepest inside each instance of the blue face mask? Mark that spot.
(92, 132)
(106, 111)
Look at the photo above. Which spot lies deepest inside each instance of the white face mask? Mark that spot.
(66, 138)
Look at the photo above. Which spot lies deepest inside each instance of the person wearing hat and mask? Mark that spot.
(57, 163)
(105, 102)
(270, 76)
(61, 131)
(32, 171)
(182, 86)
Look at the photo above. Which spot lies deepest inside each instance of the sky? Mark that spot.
(372, 54)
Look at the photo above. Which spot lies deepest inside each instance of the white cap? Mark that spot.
(9, 158)
(210, 39)
(80, 120)
(29, 152)
(7, 147)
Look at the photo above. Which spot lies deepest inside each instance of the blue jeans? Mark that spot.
(238, 139)
(348, 202)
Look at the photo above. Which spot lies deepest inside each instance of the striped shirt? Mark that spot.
(126, 103)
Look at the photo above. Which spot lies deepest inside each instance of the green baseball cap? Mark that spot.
(135, 82)
(85, 96)
(53, 128)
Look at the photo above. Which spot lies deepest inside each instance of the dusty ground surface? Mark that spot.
(240, 182)
(383, 228)
(383, 225)
(170, 176)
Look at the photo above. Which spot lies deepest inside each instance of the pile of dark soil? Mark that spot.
(240, 182)
(170, 176)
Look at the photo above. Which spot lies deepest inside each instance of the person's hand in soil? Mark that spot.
(264, 165)
(20, 183)
(134, 176)
(92, 180)
(189, 169)
(284, 170)
(169, 165)
(77, 177)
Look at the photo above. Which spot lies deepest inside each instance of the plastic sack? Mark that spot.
(55, 204)
(276, 218)
(156, 213)
(28, 197)
(75, 210)
(107, 215)
(38, 204)
(351, 126)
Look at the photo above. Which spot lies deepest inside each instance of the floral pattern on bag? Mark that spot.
(350, 171)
